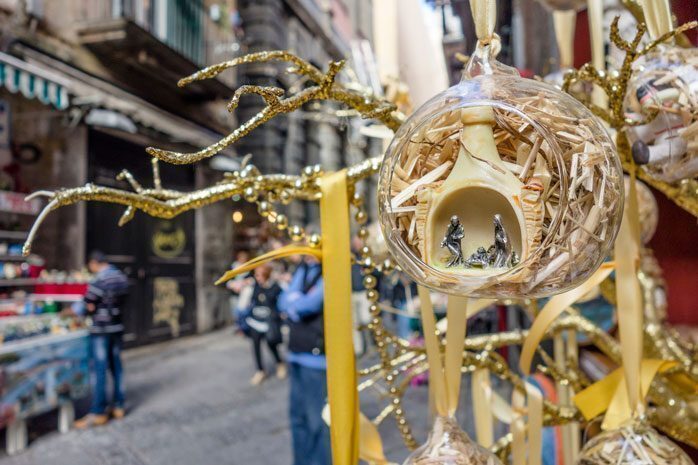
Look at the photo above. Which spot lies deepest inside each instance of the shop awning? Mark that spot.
(33, 82)
(91, 92)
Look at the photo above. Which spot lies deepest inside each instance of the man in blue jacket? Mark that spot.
(104, 301)
(302, 303)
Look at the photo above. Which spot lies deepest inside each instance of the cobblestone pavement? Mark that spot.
(189, 402)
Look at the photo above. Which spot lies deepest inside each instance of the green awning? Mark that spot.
(18, 76)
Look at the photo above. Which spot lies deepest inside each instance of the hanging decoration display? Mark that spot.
(447, 443)
(628, 119)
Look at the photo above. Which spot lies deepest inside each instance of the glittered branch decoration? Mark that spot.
(616, 85)
(326, 88)
(167, 203)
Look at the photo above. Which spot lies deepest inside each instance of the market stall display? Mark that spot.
(44, 352)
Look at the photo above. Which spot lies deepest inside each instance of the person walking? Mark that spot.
(302, 303)
(104, 301)
(263, 322)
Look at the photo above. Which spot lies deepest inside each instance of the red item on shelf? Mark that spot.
(64, 288)
(35, 271)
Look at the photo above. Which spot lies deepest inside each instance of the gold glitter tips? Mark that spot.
(326, 88)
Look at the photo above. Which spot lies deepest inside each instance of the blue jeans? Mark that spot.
(309, 433)
(106, 355)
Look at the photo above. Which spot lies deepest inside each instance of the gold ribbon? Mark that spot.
(437, 383)
(524, 415)
(445, 377)
(555, 306)
(370, 443)
(610, 395)
(482, 400)
(282, 252)
(445, 380)
(629, 298)
(598, 54)
(564, 22)
(657, 17)
(529, 404)
(341, 369)
(485, 17)
(339, 345)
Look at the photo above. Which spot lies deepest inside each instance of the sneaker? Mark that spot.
(281, 371)
(90, 421)
(118, 413)
(258, 378)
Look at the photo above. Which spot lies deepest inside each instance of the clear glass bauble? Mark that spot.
(662, 106)
(500, 187)
(637, 444)
(448, 444)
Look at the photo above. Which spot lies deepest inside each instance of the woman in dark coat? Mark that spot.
(263, 322)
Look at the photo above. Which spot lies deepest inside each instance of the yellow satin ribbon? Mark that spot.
(339, 344)
(282, 252)
(555, 306)
(437, 383)
(610, 395)
(657, 17)
(445, 376)
(629, 297)
(524, 415)
(370, 443)
(482, 398)
(598, 53)
(527, 434)
(485, 16)
(341, 368)
(564, 23)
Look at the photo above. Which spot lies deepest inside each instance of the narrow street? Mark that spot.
(189, 402)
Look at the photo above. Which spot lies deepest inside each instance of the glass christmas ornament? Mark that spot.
(449, 445)
(662, 107)
(500, 187)
(639, 444)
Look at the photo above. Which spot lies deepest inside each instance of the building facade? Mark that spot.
(86, 86)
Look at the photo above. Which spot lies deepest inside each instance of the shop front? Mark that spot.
(157, 255)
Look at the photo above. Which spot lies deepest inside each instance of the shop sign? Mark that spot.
(167, 303)
(169, 240)
(14, 202)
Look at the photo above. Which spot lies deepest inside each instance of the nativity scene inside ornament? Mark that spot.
(527, 173)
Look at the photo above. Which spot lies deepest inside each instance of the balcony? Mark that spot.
(162, 40)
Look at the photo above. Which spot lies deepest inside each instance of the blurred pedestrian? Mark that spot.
(240, 287)
(302, 303)
(104, 302)
(263, 322)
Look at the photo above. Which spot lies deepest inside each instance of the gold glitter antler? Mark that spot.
(326, 88)
(616, 85)
(167, 203)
